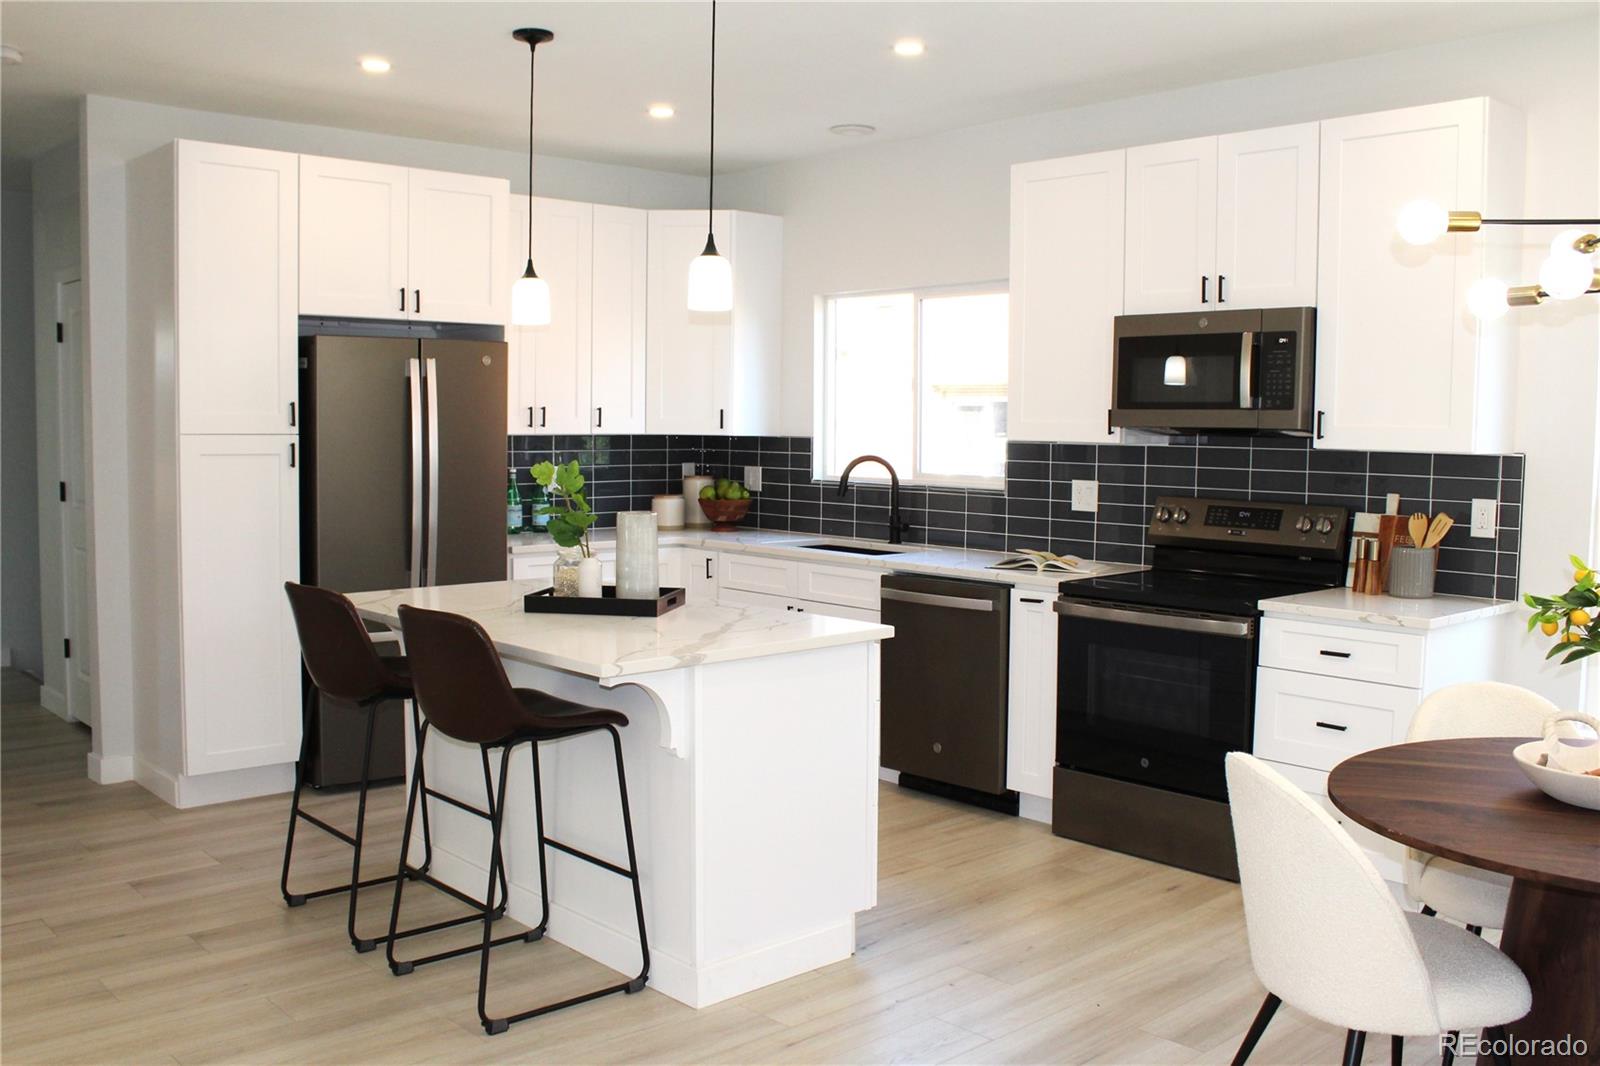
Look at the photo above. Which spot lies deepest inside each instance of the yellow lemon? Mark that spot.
(1579, 618)
(1574, 638)
(1549, 628)
(1579, 575)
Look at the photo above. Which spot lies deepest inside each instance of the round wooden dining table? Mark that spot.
(1467, 800)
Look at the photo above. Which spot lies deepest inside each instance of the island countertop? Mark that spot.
(602, 646)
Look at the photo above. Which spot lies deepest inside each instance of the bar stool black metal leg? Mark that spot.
(496, 820)
(637, 983)
(359, 943)
(488, 792)
(293, 899)
(1354, 1041)
(1269, 1007)
(395, 966)
(538, 827)
(1397, 1050)
(427, 831)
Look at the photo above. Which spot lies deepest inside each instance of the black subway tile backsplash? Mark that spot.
(1035, 509)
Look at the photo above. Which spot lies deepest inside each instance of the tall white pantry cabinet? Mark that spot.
(213, 363)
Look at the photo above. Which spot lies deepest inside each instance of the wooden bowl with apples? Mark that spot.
(725, 503)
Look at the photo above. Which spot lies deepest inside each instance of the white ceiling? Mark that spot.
(786, 71)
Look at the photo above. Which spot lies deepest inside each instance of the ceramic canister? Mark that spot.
(1411, 572)
(669, 511)
(692, 514)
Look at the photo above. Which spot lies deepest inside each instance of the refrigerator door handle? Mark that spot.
(414, 384)
(431, 372)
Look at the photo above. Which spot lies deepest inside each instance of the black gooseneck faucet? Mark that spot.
(897, 525)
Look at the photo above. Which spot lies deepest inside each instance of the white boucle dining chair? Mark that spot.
(1476, 898)
(1327, 937)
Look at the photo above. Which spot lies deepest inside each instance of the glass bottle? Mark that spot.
(514, 521)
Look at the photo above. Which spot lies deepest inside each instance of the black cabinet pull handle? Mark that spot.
(1205, 280)
(1334, 654)
(541, 418)
(1320, 414)
(1220, 279)
(291, 413)
(530, 418)
(1026, 600)
(1330, 725)
(599, 417)
(722, 418)
(708, 568)
(416, 297)
(402, 297)
(291, 453)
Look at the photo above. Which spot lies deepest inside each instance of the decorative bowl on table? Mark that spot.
(725, 514)
(1568, 786)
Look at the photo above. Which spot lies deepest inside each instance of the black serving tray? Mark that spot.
(545, 601)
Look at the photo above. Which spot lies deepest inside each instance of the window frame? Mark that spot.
(824, 386)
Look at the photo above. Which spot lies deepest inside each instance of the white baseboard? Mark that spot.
(110, 769)
(201, 790)
(1034, 808)
(54, 701)
(886, 774)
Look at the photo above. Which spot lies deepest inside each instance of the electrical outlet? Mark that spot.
(1485, 517)
(689, 470)
(1086, 495)
(752, 478)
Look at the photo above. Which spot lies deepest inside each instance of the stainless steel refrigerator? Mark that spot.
(402, 484)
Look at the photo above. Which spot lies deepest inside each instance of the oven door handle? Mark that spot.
(1212, 625)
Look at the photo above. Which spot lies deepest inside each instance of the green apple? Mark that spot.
(708, 493)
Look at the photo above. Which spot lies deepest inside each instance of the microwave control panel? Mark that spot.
(1275, 384)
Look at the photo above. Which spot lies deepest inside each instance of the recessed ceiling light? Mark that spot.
(853, 129)
(375, 64)
(9, 55)
(909, 46)
(662, 111)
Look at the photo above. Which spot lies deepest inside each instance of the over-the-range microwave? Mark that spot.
(1216, 370)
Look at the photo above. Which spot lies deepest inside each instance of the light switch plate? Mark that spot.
(1086, 495)
(1485, 517)
(752, 478)
(689, 470)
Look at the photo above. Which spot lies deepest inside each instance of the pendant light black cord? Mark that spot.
(532, 48)
(711, 158)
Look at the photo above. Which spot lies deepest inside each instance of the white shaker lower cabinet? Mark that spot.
(1066, 287)
(238, 532)
(1401, 363)
(1326, 691)
(1031, 722)
(700, 574)
(741, 598)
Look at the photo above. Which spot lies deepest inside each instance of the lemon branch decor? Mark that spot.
(568, 509)
(1569, 617)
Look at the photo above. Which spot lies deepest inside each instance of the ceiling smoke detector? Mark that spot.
(853, 129)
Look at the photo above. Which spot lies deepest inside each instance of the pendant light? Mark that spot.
(710, 275)
(530, 296)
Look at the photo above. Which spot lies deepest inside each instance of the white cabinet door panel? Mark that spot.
(1066, 287)
(849, 586)
(621, 243)
(755, 573)
(689, 352)
(459, 225)
(1172, 228)
(239, 542)
(1318, 722)
(237, 252)
(1267, 217)
(1031, 717)
(551, 363)
(353, 240)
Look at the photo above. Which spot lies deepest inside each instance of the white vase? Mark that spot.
(589, 578)
(638, 556)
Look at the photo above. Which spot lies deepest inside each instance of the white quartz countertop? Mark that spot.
(915, 558)
(608, 647)
(1343, 605)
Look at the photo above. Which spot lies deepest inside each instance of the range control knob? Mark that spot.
(1324, 525)
(1303, 523)
(1180, 516)
(1163, 514)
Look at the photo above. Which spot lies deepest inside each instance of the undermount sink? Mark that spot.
(853, 549)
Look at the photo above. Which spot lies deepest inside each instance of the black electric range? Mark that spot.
(1156, 673)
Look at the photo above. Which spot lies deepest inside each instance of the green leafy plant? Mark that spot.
(1572, 618)
(568, 510)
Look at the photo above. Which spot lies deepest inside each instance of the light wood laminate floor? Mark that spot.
(133, 932)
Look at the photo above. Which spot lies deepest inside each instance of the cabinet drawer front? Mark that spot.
(755, 574)
(1317, 722)
(1385, 656)
(836, 584)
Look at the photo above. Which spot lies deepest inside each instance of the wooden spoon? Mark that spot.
(1441, 525)
(1417, 526)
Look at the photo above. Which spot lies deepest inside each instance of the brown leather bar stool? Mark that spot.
(347, 671)
(464, 693)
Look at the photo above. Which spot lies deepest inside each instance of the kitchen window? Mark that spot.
(918, 377)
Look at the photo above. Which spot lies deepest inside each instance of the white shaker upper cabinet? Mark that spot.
(621, 241)
(1171, 227)
(549, 365)
(1401, 363)
(1066, 287)
(237, 224)
(1267, 217)
(458, 233)
(353, 239)
(239, 533)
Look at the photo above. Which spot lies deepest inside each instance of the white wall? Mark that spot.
(114, 132)
(935, 211)
(19, 504)
(55, 254)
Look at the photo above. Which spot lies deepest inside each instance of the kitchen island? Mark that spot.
(752, 760)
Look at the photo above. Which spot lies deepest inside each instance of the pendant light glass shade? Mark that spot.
(710, 275)
(530, 300)
(710, 281)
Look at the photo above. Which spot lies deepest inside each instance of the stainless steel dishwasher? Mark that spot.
(944, 678)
